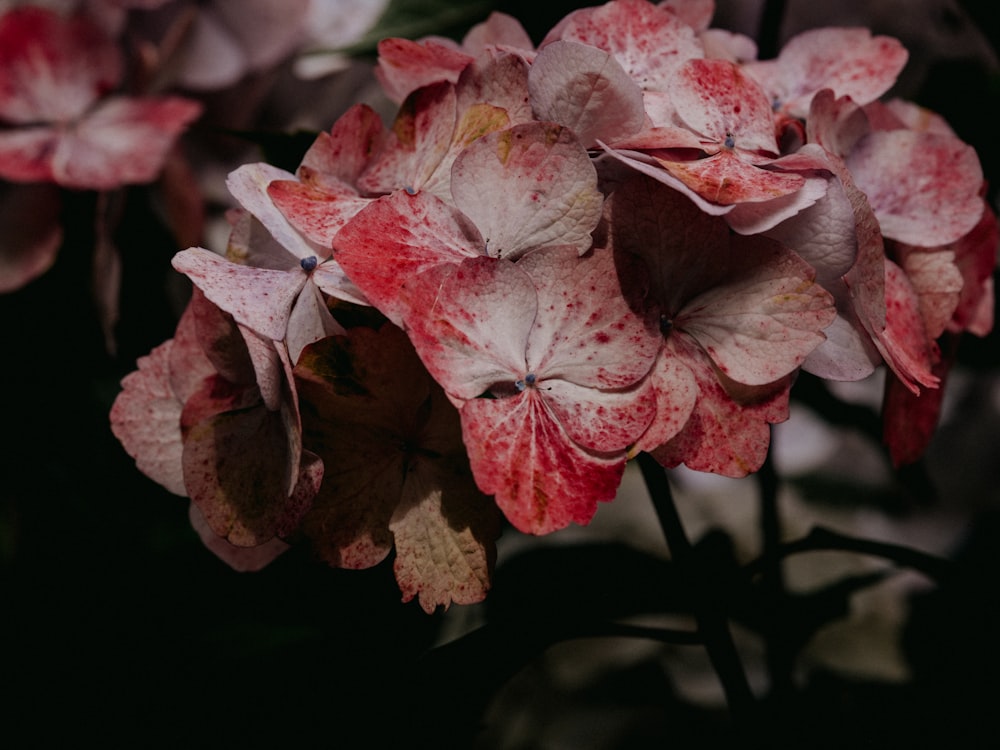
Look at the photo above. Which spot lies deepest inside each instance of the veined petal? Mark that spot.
(470, 324)
(526, 187)
(586, 332)
(585, 89)
(394, 238)
(259, 298)
(540, 478)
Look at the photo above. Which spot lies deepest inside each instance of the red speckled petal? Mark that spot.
(585, 331)
(541, 480)
(259, 298)
(317, 213)
(923, 187)
(724, 435)
(850, 61)
(405, 66)
(548, 184)
(904, 343)
(649, 42)
(394, 238)
(470, 324)
(718, 101)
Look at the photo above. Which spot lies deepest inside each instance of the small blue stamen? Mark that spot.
(730, 141)
(410, 190)
(308, 264)
(530, 378)
(520, 385)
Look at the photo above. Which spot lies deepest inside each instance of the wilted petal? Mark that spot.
(444, 531)
(240, 559)
(146, 419)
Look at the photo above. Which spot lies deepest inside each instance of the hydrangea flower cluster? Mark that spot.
(630, 238)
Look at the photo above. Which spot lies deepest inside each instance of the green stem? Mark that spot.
(710, 610)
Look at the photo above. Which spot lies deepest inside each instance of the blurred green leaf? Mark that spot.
(411, 19)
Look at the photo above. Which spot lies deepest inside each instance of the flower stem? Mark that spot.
(710, 607)
(780, 658)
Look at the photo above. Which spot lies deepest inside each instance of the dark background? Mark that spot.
(118, 626)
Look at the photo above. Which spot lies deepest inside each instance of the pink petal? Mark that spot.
(850, 61)
(404, 66)
(499, 29)
(937, 281)
(724, 435)
(675, 392)
(760, 323)
(396, 237)
(249, 184)
(316, 213)
(146, 419)
(500, 79)
(52, 67)
(716, 100)
(585, 89)
(259, 298)
(976, 258)
(470, 324)
(649, 42)
(26, 153)
(923, 187)
(602, 421)
(848, 352)
(344, 152)
(123, 141)
(725, 179)
(695, 13)
(548, 184)
(585, 331)
(541, 480)
(904, 343)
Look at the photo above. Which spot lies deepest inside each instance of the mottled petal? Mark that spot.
(923, 187)
(527, 187)
(541, 480)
